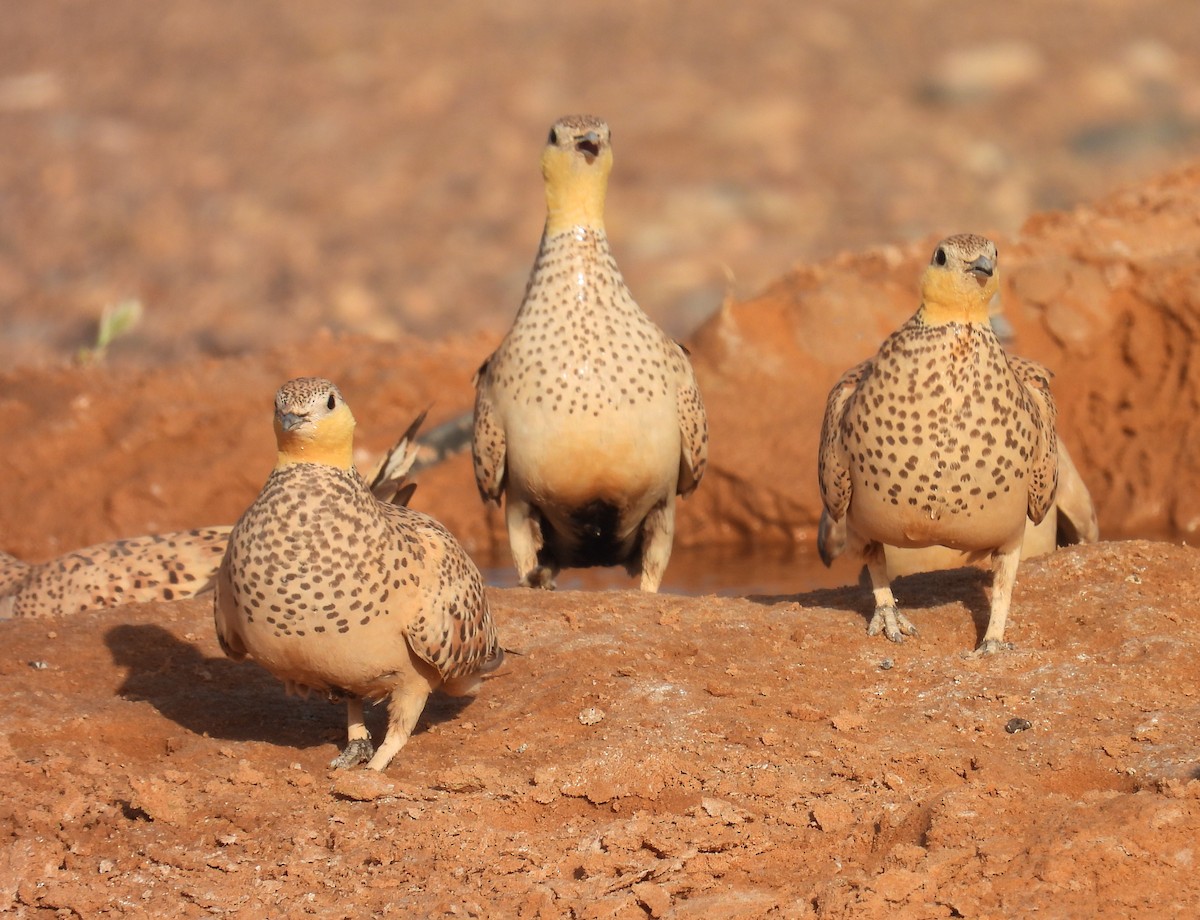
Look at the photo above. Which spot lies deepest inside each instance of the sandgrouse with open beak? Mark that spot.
(588, 420)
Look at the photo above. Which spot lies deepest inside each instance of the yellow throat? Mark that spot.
(575, 188)
(949, 295)
(328, 439)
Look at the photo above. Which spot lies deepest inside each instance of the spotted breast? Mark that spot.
(942, 438)
(331, 589)
(588, 419)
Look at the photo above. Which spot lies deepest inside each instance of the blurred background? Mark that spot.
(253, 172)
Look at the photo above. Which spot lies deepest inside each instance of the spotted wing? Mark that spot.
(452, 628)
(693, 426)
(833, 463)
(226, 615)
(487, 441)
(1034, 380)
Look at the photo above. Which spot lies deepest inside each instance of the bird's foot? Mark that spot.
(892, 623)
(541, 576)
(990, 647)
(360, 750)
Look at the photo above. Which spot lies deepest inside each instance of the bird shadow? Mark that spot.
(238, 701)
(967, 585)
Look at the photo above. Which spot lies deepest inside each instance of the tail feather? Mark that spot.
(389, 481)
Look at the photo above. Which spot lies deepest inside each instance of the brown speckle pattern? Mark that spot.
(941, 438)
(166, 567)
(587, 416)
(333, 590)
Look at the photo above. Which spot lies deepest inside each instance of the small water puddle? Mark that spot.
(709, 570)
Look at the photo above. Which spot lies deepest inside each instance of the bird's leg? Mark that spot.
(658, 533)
(360, 749)
(887, 619)
(525, 539)
(1004, 578)
(404, 709)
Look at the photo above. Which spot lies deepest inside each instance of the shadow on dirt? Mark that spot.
(237, 701)
(967, 586)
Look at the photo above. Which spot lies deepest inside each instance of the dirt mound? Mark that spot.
(254, 178)
(639, 756)
(1108, 297)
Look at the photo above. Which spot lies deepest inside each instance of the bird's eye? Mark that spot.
(553, 138)
(332, 401)
(940, 256)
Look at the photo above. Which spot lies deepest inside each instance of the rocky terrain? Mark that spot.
(339, 190)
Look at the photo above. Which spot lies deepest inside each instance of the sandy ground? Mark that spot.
(316, 189)
(641, 756)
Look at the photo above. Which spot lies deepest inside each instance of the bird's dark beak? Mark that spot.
(982, 268)
(588, 145)
(289, 421)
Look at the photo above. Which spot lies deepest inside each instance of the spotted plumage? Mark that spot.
(588, 419)
(941, 438)
(169, 566)
(1070, 520)
(333, 590)
(161, 567)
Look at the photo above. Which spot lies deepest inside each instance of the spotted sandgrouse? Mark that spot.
(1070, 520)
(588, 419)
(168, 566)
(331, 589)
(160, 567)
(941, 438)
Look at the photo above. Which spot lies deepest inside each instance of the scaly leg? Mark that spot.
(658, 533)
(360, 749)
(525, 540)
(1003, 580)
(887, 619)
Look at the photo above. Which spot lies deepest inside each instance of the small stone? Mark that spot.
(887, 664)
(1017, 725)
(361, 785)
(591, 716)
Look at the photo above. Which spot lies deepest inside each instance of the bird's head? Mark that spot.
(575, 165)
(960, 280)
(313, 424)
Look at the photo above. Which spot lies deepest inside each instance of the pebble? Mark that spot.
(591, 716)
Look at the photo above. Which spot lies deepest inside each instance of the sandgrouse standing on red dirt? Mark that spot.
(941, 438)
(588, 419)
(331, 589)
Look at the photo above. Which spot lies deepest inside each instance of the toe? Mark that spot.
(990, 647)
(356, 752)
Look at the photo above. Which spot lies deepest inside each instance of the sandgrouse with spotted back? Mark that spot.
(165, 566)
(156, 567)
(941, 438)
(333, 590)
(588, 419)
